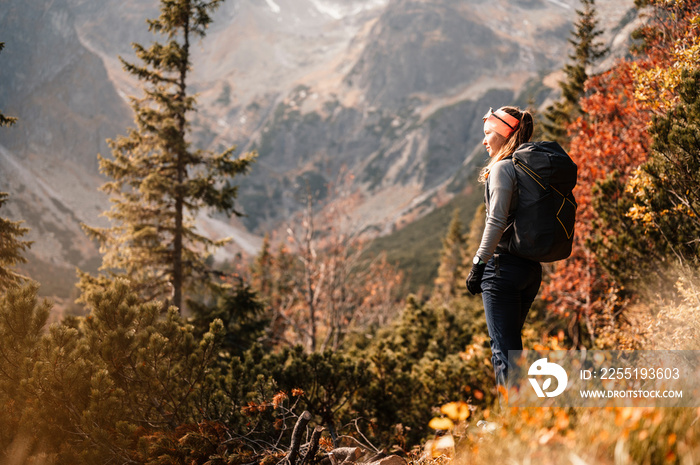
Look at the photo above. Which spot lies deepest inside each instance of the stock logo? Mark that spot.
(541, 368)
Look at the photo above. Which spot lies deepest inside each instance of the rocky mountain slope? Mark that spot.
(376, 99)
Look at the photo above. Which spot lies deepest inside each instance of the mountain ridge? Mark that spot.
(336, 97)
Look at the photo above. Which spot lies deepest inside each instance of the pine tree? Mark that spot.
(127, 369)
(159, 182)
(587, 50)
(11, 248)
(5, 120)
(22, 321)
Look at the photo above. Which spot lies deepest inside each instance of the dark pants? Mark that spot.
(510, 285)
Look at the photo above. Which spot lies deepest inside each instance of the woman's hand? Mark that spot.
(474, 278)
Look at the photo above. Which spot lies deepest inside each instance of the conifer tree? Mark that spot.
(11, 248)
(273, 275)
(667, 188)
(451, 270)
(587, 50)
(5, 120)
(476, 228)
(236, 304)
(22, 320)
(159, 181)
(128, 369)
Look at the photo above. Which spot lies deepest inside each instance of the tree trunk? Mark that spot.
(298, 431)
(181, 168)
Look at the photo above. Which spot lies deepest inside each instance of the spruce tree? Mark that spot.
(451, 269)
(11, 248)
(273, 276)
(159, 181)
(262, 269)
(236, 304)
(5, 120)
(587, 50)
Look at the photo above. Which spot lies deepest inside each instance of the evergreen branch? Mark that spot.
(144, 74)
(7, 120)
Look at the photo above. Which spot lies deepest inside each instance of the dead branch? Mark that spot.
(299, 429)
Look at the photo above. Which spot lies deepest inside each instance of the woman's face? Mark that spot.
(493, 141)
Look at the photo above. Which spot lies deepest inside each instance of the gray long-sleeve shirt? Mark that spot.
(501, 196)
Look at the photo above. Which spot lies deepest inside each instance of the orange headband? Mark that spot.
(501, 122)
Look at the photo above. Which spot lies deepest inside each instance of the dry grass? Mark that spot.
(611, 435)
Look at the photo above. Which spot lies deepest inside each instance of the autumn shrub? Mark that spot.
(90, 387)
(634, 146)
(327, 383)
(384, 390)
(431, 355)
(22, 318)
(133, 381)
(666, 189)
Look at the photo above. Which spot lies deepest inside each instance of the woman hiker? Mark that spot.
(509, 283)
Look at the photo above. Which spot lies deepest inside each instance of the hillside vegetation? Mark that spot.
(415, 248)
(316, 347)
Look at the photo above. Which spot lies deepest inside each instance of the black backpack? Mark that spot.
(543, 224)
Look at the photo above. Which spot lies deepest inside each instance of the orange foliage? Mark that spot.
(584, 435)
(612, 137)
